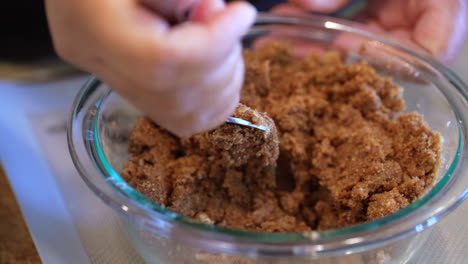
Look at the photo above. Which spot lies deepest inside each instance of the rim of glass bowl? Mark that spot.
(414, 218)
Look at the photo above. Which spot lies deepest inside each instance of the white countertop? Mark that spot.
(52, 196)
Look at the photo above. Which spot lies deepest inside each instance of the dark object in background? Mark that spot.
(24, 34)
(265, 5)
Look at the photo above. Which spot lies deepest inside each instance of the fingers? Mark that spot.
(231, 24)
(300, 47)
(170, 8)
(321, 6)
(391, 14)
(223, 106)
(402, 33)
(384, 59)
(205, 9)
(287, 9)
(186, 77)
(212, 101)
(191, 96)
(212, 112)
(207, 68)
(442, 28)
(209, 42)
(439, 27)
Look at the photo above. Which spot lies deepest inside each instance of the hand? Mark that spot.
(186, 77)
(437, 26)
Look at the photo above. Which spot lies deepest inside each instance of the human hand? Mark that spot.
(186, 77)
(439, 27)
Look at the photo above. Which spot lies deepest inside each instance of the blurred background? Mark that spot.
(23, 27)
(27, 56)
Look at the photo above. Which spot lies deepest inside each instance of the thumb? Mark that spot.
(321, 6)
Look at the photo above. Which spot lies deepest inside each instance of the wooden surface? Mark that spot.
(16, 245)
(44, 70)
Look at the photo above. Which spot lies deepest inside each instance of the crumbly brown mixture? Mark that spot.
(345, 153)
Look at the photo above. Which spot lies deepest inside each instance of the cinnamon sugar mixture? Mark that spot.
(338, 151)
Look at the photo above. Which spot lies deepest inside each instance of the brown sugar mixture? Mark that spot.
(338, 151)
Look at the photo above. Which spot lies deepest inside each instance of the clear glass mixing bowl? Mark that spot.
(101, 122)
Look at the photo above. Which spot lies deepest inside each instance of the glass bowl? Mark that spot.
(101, 123)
